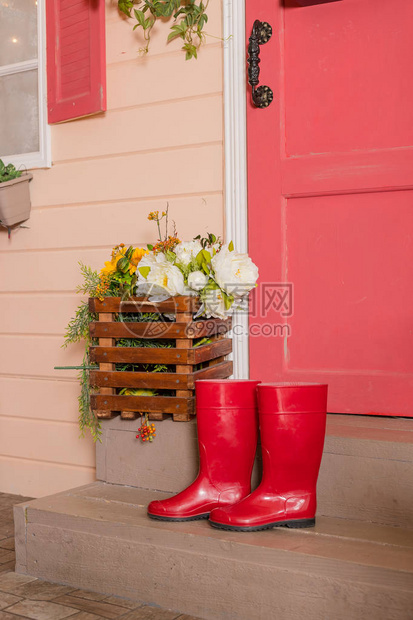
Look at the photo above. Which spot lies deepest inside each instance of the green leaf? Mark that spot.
(231, 246)
(123, 264)
(140, 17)
(144, 271)
(173, 35)
(206, 255)
(199, 259)
(125, 7)
(149, 246)
(228, 300)
(191, 51)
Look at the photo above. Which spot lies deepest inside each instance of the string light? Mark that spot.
(14, 40)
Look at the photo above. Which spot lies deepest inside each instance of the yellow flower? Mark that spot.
(110, 265)
(137, 254)
(108, 269)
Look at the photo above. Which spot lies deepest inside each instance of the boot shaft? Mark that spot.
(292, 421)
(227, 421)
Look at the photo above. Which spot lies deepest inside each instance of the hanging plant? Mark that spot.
(189, 20)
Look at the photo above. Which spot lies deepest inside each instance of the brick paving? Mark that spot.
(27, 597)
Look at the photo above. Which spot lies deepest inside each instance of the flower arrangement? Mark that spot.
(204, 267)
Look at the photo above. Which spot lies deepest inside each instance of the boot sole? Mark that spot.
(293, 524)
(179, 519)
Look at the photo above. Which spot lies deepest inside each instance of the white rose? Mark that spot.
(186, 251)
(235, 273)
(197, 280)
(152, 260)
(214, 305)
(163, 280)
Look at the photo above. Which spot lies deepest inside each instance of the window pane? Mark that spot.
(18, 31)
(19, 119)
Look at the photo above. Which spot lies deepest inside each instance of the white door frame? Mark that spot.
(236, 158)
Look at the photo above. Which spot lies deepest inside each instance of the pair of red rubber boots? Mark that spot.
(291, 419)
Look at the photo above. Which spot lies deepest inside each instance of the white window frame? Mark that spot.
(41, 158)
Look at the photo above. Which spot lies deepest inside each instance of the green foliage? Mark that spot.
(189, 20)
(8, 173)
(87, 418)
(199, 342)
(203, 261)
(141, 317)
(91, 281)
(76, 331)
(209, 240)
(78, 327)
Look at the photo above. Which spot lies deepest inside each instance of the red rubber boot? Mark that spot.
(292, 425)
(227, 437)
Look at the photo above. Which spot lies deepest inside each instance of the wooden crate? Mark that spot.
(183, 356)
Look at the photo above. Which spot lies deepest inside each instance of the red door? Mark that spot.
(330, 165)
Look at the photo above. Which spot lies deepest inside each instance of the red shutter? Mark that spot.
(76, 61)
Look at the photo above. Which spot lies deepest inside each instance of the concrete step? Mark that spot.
(366, 472)
(99, 538)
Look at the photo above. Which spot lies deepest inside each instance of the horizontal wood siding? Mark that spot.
(161, 139)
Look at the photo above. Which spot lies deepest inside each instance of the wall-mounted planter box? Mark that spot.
(15, 200)
(185, 362)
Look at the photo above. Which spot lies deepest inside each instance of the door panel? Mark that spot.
(330, 186)
(351, 296)
(348, 77)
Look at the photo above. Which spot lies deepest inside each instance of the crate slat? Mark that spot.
(218, 371)
(147, 380)
(160, 330)
(142, 304)
(207, 352)
(156, 404)
(184, 344)
(146, 355)
(161, 380)
(106, 317)
(137, 355)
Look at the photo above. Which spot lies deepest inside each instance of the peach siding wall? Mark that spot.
(162, 138)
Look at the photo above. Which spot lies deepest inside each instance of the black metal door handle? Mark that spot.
(261, 33)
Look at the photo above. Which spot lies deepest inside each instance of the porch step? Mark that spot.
(366, 472)
(99, 538)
